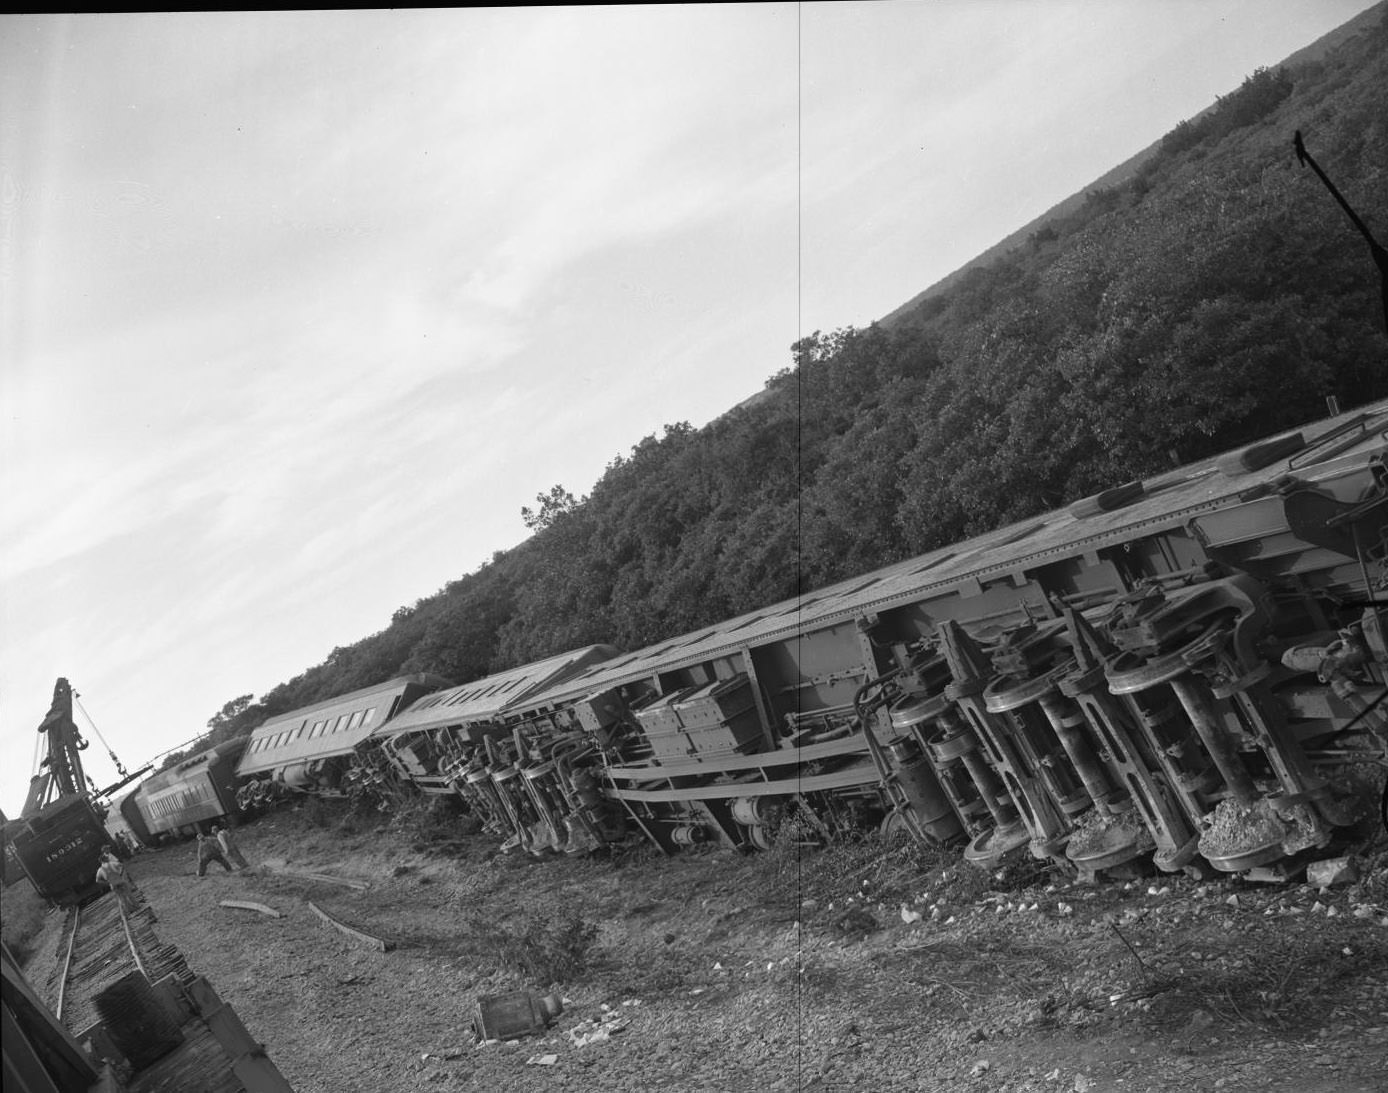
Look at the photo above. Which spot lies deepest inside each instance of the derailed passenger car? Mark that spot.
(312, 749)
(1155, 672)
(188, 796)
(457, 741)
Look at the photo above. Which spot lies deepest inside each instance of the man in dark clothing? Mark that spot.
(209, 851)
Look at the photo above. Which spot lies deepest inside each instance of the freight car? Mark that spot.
(1184, 671)
(312, 749)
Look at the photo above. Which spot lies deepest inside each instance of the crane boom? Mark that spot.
(60, 771)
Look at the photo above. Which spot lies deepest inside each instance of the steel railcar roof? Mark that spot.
(296, 737)
(489, 699)
(192, 766)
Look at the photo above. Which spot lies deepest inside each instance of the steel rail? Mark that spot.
(130, 937)
(67, 962)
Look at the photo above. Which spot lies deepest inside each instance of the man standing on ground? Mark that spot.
(231, 851)
(113, 874)
(209, 851)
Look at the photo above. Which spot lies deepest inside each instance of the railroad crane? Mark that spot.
(60, 834)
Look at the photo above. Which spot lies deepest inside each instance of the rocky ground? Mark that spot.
(868, 968)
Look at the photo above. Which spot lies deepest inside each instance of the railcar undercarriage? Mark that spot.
(1184, 672)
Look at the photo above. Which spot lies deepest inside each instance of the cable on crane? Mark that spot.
(120, 767)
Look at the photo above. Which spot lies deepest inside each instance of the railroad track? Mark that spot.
(101, 944)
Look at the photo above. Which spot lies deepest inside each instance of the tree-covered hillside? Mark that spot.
(1217, 296)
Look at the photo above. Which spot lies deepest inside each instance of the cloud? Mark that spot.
(302, 306)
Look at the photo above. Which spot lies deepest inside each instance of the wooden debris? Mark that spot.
(246, 905)
(248, 1059)
(375, 942)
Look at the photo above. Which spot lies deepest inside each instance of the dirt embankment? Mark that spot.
(867, 968)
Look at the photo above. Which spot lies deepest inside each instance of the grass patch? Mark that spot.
(545, 951)
(1285, 984)
(21, 919)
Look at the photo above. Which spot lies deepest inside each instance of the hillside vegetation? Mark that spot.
(1217, 295)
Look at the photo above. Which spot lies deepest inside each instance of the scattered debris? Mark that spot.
(519, 1013)
(595, 1029)
(247, 905)
(372, 940)
(1331, 873)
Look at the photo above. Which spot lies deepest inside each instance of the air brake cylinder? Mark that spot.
(759, 816)
(689, 834)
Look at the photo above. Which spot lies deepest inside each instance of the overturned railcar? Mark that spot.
(193, 794)
(463, 741)
(312, 749)
(1184, 670)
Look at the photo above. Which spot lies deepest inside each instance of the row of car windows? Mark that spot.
(177, 798)
(325, 727)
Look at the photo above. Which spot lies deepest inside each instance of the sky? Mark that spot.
(298, 309)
